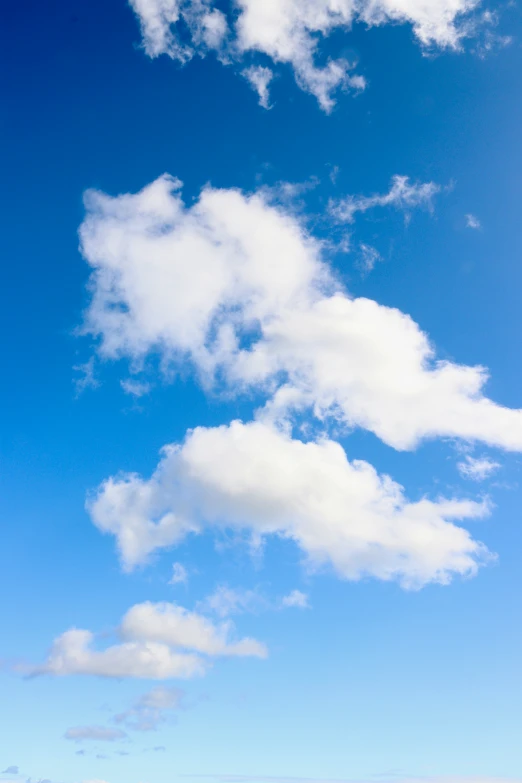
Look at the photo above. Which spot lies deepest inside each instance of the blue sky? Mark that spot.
(259, 602)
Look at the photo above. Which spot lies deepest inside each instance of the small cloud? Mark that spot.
(86, 378)
(403, 194)
(334, 173)
(135, 388)
(152, 709)
(179, 574)
(477, 469)
(295, 599)
(472, 221)
(12, 770)
(225, 601)
(96, 733)
(259, 78)
(159, 748)
(368, 257)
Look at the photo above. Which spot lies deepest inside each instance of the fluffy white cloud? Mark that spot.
(175, 626)
(289, 31)
(253, 477)
(95, 733)
(72, 653)
(153, 635)
(477, 468)
(151, 709)
(237, 286)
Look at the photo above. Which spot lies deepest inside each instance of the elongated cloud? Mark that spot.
(94, 733)
(255, 478)
(290, 31)
(402, 194)
(237, 287)
(155, 638)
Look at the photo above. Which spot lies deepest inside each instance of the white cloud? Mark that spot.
(402, 194)
(151, 709)
(225, 601)
(179, 574)
(135, 388)
(175, 626)
(259, 77)
(153, 635)
(295, 599)
(86, 378)
(238, 287)
(290, 31)
(253, 477)
(368, 258)
(72, 653)
(477, 468)
(95, 733)
(472, 221)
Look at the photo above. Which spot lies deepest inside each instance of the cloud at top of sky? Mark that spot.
(290, 31)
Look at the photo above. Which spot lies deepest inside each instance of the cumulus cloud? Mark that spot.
(253, 477)
(477, 468)
(95, 733)
(290, 32)
(12, 770)
(151, 709)
(236, 286)
(175, 626)
(402, 194)
(73, 653)
(152, 637)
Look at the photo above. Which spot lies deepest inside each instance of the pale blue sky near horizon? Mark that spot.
(370, 681)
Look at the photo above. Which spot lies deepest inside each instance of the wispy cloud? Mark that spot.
(403, 194)
(472, 221)
(94, 733)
